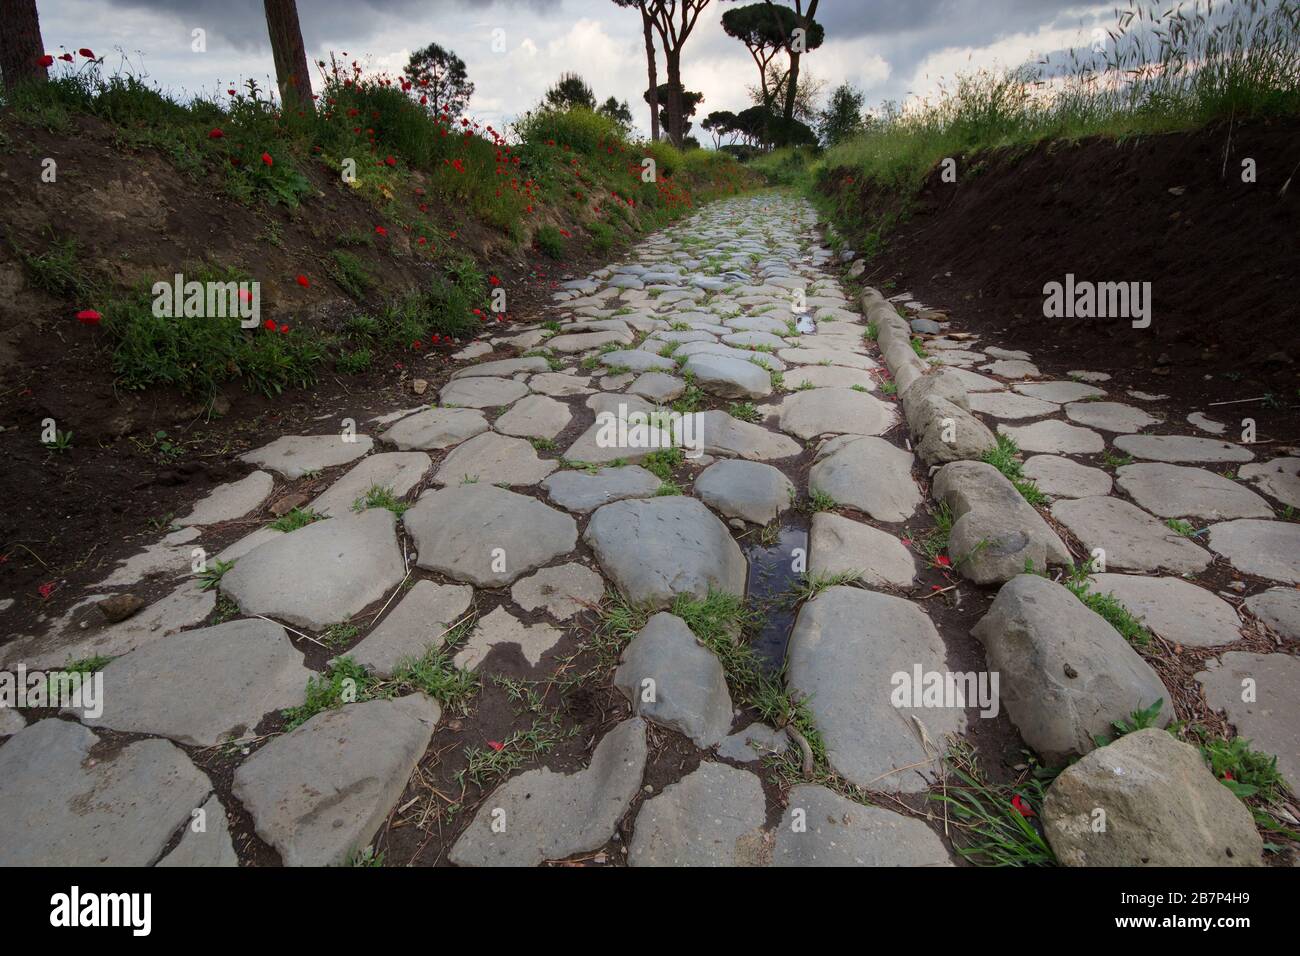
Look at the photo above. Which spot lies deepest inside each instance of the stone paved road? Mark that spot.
(533, 458)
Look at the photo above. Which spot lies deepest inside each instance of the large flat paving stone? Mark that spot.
(210, 846)
(1175, 491)
(1058, 392)
(505, 367)
(496, 459)
(1279, 478)
(1177, 449)
(230, 501)
(1260, 694)
(728, 377)
(638, 360)
(436, 428)
(1270, 549)
(1054, 437)
(838, 545)
(563, 590)
(839, 411)
(559, 384)
(58, 807)
(484, 392)
(655, 549)
(322, 573)
(295, 455)
(418, 623)
(485, 535)
(1131, 539)
(846, 646)
(822, 828)
(1066, 674)
(625, 440)
(1062, 478)
(502, 627)
(321, 792)
(1279, 608)
(398, 472)
(580, 491)
(672, 679)
(717, 433)
(866, 473)
(1110, 416)
(829, 376)
(814, 356)
(713, 816)
(541, 815)
(1162, 807)
(1179, 611)
(536, 416)
(246, 669)
(1009, 405)
(745, 489)
(657, 386)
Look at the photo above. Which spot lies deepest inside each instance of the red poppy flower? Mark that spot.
(66, 57)
(45, 590)
(304, 281)
(1021, 807)
(266, 158)
(284, 330)
(496, 745)
(943, 561)
(46, 61)
(86, 53)
(230, 92)
(269, 325)
(215, 134)
(494, 280)
(381, 230)
(89, 317)
(390, 161)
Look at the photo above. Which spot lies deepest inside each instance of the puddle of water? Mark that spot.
(771, 575)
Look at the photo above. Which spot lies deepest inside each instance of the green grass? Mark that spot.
(294, 519)
(1185, 528)
(1109, 607)
(987, 828)
(550, 242)
(351, 276)
(745, 411)
(377, 497)
(664, 462)
(819, 500)
(210, 577)
(1005, 457)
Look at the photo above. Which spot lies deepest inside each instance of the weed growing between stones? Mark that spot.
(664, 462)
(993, 825)
(819, 500)
(1005, 457)
(744, 411)
(211, 576)
(295, 519)
(377, 497)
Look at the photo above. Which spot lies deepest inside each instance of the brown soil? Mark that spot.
(135, 218)
(1170, 210)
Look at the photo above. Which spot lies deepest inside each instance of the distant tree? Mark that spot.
(290, 54)
(569, 91)
(674, 20)
(806, 96)
(647, 28)
(690, 102)
(21, 46)
(764, 28)
(441, 78)
(795, 49)
(843, 117)
(618, 112)
(721, 123)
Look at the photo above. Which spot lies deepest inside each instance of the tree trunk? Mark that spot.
(290, 55)
(792, 82)
(675, 108)
(652, 94)
(21, 47)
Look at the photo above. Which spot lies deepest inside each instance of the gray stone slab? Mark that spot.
(397, 472)
(866, 473)
(1260, 694)
(1131, 539)
(295, 455)
(656, 549)
(1110, 416)
(745, 489)
(486, 392)
(822, 828)
(209, 846)
(322, 573)
(713, 816)
(1054, 437)
(230, 501)
(536, 416)
(1179, 611)
(822, 411)
(502, 627)
(246, 669)
(846, 645)
(59, 807)
(436, 428)
(320, 793)
(580, 491)
(485, 535)
(1175, 491)
(838, 545)
(495, 459)
(418, 622)
(1279, 478)
(1063, 478)
(1270, 549)
(1279, 608)
(541, 815)
(1181, 448)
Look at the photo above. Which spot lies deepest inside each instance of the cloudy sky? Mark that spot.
(891, 49)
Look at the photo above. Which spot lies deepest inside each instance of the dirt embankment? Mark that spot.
(1222, 254)
(136, 218)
